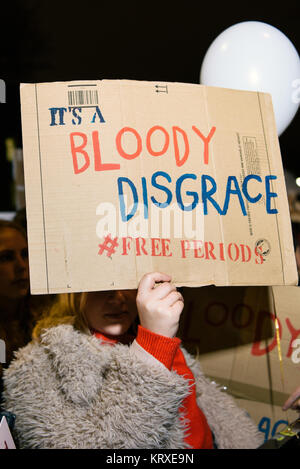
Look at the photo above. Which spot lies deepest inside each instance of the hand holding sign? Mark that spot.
(159, 306)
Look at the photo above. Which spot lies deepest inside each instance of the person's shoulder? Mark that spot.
(24, 356)
(58, 333)
(36, 349)
(64, 328)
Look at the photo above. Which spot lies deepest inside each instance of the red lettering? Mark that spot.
(165, 247)
(206, 141)
(182, 160)
(99, 166)
(256, 350)
(294, 333)
(237, 252)
(155, 244)
(198, 248)
(140, 244)
(140, 247)
(221, 246)
(148, 141)
(128, 156)
(126, 245)
(244, 258)
(79, 149)
(185, 246)
(260, 259)
(209, 247)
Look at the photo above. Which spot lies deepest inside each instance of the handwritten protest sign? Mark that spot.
(125, 177)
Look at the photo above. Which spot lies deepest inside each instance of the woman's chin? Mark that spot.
(115, 329)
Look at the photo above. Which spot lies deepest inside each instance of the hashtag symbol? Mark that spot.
(109, 245)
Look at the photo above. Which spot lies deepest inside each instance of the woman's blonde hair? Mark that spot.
(67, 309)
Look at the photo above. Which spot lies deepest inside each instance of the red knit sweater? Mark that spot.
(167, 351)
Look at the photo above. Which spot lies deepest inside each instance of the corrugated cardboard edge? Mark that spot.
(31, 152)
(289, 269)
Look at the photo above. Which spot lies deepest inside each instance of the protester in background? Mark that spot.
(15, 319)
(96, 378)
(14, 289)
(18, 311)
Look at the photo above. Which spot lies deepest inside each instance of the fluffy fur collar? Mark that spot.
(75, 354)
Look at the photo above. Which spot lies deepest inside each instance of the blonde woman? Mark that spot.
(106, 370)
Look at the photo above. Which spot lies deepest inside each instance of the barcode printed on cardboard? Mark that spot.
(82, 97)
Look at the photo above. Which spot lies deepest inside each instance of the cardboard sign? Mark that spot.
(270, 419)
(233, 331)
(6, 440)
(127, 177)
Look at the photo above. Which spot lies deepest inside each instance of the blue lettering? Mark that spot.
(270, 195)
(235, 191)
(208, 189)
(99, 114)
(179, 182)
(163, 188)
(264, 426)
(145, 198)
(121, 198)
(61, 111)
(207, 194)
(276, 425)
(253, 200)
(74, 109)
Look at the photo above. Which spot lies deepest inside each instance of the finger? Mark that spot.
(177, 307)
(163, 290)
(148, 281)
(173, 297)
(293, 397)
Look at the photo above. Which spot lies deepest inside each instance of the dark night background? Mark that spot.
(159, 41)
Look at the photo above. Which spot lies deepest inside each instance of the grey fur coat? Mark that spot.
(71, 390)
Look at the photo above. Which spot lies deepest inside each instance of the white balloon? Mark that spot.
(256, 56)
